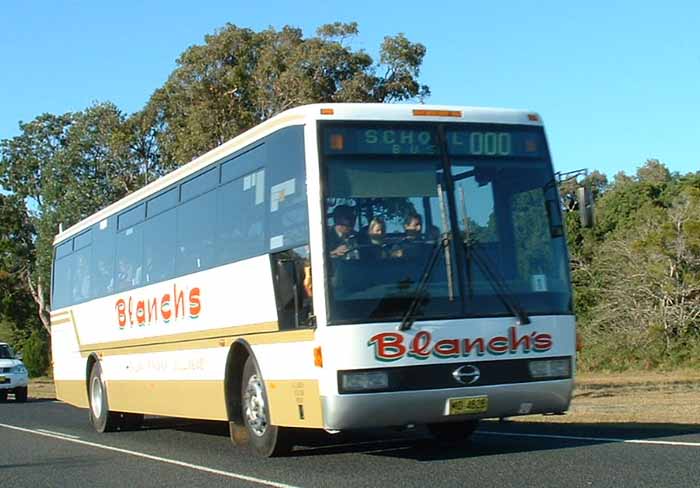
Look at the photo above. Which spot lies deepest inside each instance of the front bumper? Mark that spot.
(354, 411)
(10, 381)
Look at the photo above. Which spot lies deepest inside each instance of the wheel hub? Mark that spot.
(254, 406)
(96, 397)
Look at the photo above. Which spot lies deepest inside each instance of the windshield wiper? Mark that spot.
(498, 283)
(409, 316)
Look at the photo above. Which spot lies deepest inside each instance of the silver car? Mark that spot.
(14, 377)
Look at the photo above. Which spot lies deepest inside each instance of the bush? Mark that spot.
(35, 352)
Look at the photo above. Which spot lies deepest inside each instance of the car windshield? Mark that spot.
(477, 200)
(6, 352)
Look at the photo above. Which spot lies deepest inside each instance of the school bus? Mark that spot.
(339, 266)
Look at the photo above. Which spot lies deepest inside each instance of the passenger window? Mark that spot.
(200, 184)
(161, 203)
(241, 210)
(159, 243)
(63, 271)
(131, 217)
(102, 274)
(288, 217)
(80, 282)
(196, 233)
(129, 272)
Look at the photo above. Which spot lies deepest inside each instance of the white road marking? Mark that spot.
(590, 439)
(58, 433)
(205, 469)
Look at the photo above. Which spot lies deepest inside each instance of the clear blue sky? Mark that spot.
(616, 82)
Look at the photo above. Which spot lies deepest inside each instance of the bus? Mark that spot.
(337, 267)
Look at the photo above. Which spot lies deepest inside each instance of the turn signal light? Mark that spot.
(318, 357)
(437, 113)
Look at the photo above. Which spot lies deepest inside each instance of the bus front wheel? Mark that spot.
(264, 438)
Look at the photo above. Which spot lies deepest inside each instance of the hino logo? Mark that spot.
(467, 374)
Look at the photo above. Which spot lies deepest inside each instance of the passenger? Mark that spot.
(413, 224)
(341, 239)
(376, 247)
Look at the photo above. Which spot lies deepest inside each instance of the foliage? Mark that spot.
(637, 275)
(239, 77)
(35, 354)
(17, 308)
(67, 167)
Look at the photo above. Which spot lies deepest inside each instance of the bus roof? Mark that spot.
(303, 115)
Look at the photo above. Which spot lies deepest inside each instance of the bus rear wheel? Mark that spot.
(453, 432)
(265, 439)
(102, 419)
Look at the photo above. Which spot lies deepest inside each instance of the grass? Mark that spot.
(633, 397)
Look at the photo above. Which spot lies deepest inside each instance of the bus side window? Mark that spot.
(291, 273)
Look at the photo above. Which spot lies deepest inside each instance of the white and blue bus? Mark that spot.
(339, 266)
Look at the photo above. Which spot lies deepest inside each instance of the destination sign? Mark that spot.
(499, 142)
(496, 143)
(380, 141)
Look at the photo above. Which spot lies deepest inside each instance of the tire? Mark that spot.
(265, 439)
(21, 394)
(453, 432)
(3, 395)
(101, 418)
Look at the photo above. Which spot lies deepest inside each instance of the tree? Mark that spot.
(67, 167)
(239, 78)
(17, 308)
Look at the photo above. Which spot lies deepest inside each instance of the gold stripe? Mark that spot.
(61, 322)
(72, 391)
(206, 343)
(295, 403)
(75, 329)
(183, 337)
(174, 398)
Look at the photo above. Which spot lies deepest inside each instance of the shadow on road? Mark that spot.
(492, 438)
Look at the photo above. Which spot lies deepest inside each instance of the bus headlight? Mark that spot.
(550, 368)
(366, 381)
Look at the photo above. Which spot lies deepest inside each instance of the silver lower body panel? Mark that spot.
(357, 411)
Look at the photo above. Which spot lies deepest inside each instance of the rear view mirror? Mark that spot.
(584, 195)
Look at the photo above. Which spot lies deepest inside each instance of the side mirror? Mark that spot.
(19, 356)
(585, 206)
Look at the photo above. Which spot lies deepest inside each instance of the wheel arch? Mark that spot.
(238, 354)
(91, 361)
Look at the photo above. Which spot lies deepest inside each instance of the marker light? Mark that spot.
(318, 357)
(533, 117)
(326, 111)
(337, 142)
(437, 113)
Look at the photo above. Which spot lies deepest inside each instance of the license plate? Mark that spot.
(467, 405)
(4, 379)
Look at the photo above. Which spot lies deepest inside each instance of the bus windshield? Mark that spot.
(470, 209)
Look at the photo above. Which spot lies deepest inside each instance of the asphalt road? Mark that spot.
(47, 443)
